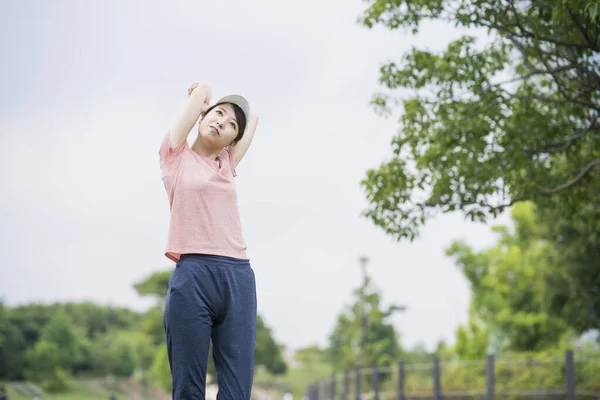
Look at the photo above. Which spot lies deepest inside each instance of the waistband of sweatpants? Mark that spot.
(216, 259)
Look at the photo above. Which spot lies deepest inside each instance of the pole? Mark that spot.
(364, 260)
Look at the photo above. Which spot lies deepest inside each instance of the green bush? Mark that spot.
(43, 367)
(58, 381)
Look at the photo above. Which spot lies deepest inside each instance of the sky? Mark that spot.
(87, 92)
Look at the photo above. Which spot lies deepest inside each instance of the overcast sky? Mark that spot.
(87, 91)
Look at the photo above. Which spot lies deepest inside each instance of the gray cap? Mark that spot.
(239, 101)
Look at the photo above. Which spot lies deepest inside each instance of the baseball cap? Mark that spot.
(239, 101)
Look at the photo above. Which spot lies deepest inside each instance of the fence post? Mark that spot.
(400, 394)
(346, 383)
(570, 372)
(376, 381)
(490, 381)
(312, 392)
(333, 387)
(323, 389)
(358, 384)
(437, 387)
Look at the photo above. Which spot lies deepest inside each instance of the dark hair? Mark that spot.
(239, 116)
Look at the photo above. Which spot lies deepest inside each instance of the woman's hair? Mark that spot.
(239, 116)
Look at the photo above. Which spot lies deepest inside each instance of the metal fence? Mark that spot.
(491, 379)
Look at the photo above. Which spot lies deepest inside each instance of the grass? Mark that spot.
(86, 389)
(73, 395)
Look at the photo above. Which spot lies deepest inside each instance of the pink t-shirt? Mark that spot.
(203, 202)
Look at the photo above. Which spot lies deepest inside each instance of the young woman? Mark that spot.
(212, 291)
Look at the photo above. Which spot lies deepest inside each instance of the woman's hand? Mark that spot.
(191, 89)
(207, 92)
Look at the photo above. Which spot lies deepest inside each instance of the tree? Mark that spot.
(267, 352)
(96, 320)
(61, 332)
(160, 370)
(30, 320)
(363, 334)
(44, 366)
(155, 285)
(473, 340)
(493, 122)
(312, 354)
(12, 348)
(120, 353)
(73, 327)
(417, 354)
(574, 259)
(509, 290)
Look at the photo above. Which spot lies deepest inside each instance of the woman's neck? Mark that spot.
(203, 150)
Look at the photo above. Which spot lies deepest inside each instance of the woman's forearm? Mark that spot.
(197, 103)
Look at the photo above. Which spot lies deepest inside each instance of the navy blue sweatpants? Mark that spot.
(211, 297)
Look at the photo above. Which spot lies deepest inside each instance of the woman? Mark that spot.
(212, 291)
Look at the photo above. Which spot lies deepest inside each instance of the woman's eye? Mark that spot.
(232, 125)
(219, 112)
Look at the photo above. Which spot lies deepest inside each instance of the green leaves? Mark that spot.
(155, 284)
(12, 349)
(398, 13)
(44, 362)
(363, 334)
(537, 288)
(60, 331)
(492, 123)
(268, 352)
(574, 266)
(593, 9)
(510, 290)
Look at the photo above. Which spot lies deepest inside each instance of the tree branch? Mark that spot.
(567, 100)
(548, 70)
(523, 52)
(548, 191)
(530, 35)
(582, 173)
(510, 203)
(492, 208)
(556, 77)
(581, 28)
(558, 147)
(536, 71)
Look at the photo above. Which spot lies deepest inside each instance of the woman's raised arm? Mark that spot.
(239, 149)
(197, 104)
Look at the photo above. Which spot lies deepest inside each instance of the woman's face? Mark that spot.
(219, 125)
